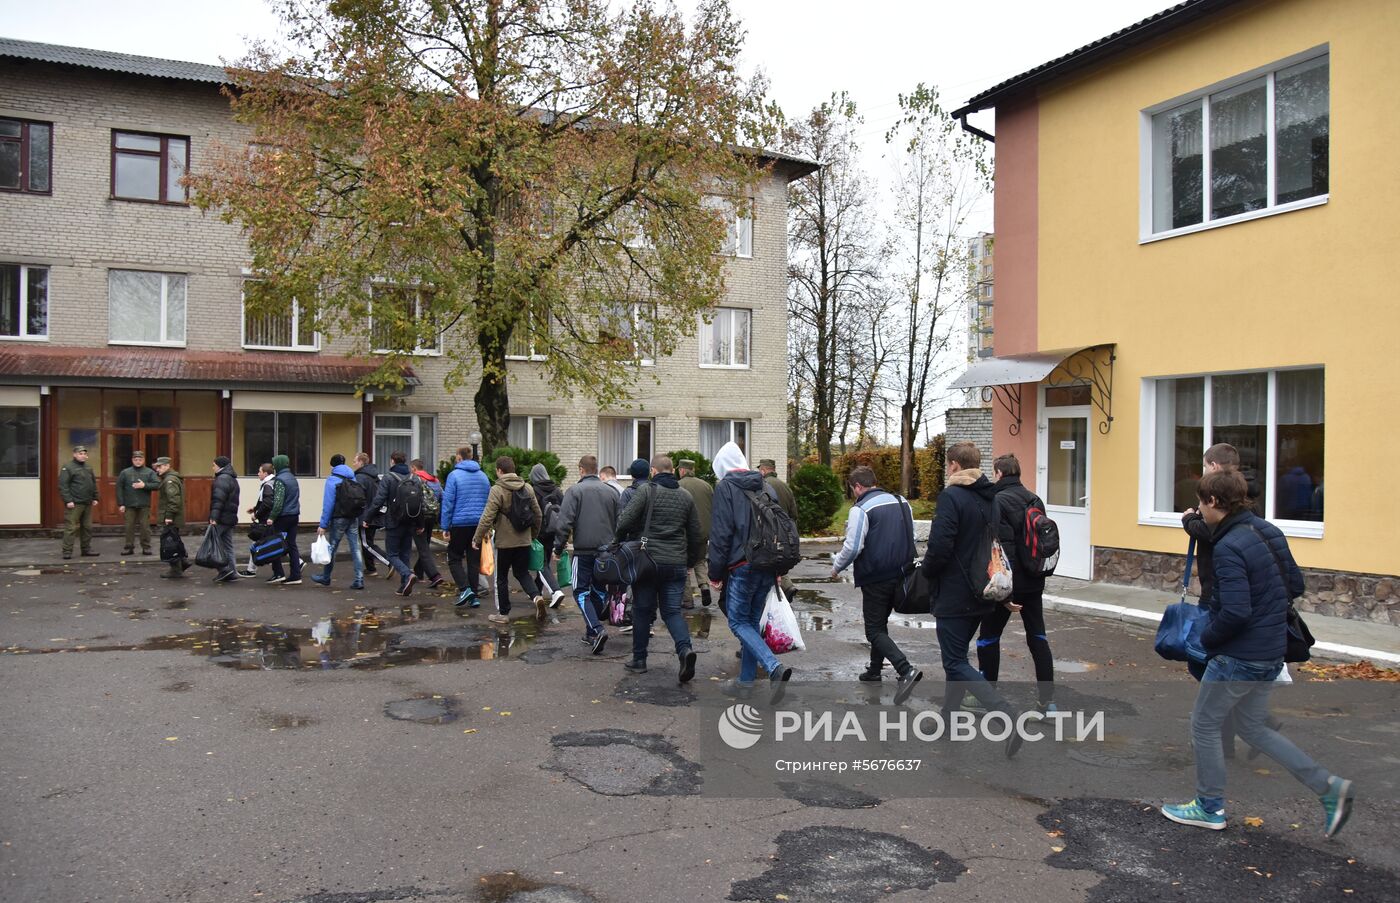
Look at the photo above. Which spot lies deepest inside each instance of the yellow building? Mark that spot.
(1182, 261)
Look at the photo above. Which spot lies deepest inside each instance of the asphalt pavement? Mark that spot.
(178, 740)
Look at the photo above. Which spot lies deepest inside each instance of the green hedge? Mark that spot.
(524, 460)
(818, 494)
(704, 467)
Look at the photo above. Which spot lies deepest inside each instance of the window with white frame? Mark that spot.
(622, 440)
(24, 301)
(145, 308)
(528, 339)
(401, 320)
(715, 433)
(630, 324)
(528, 431)
(1275, 418)
(724, 341)
(277, 331)
(738, 241)
(1256, 143)
(413, 434)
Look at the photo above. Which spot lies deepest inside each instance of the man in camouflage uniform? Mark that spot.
(170, 509)
(134, 487)
(77, 485)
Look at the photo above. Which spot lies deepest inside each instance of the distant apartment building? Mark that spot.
(122, 324)
(980, 297)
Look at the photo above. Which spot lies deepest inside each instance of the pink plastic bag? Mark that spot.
(778, 625)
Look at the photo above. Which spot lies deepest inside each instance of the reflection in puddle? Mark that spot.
(699, 620)
(363, 640)
(915, 622)
(812, 597)
(808, 621)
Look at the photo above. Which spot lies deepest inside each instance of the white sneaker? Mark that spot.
(557, 598)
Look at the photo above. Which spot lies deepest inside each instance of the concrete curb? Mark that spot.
(1143, 616)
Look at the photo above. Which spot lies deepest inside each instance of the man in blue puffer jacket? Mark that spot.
(342, 521)
(1245, 637)
(463, 500)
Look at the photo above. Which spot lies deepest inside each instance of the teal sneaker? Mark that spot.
(1192, 814)
(1336, 805)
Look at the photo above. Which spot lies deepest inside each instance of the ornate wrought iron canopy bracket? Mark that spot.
(1092, 367)
(1009, 397)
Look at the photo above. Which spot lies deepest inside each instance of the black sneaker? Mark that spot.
(600, 639)
(128, 551)
(635, 666)
(871, 675)
(778, 683)
(1013, 743)
(230, 577)
(687, 671)
(906, 685)
(408, 585)
(735, 690)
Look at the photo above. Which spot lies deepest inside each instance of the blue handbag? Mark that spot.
(270, 549)
(1179, 633)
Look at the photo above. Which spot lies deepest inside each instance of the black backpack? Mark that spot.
(350, 499)
(1038, 551)
(773, 543)
(407, 502)
(521, 513)
(432, 503)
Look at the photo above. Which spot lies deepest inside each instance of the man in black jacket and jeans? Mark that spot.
(1013, 500)
(880, 542)
(223, 514)
(956, 537)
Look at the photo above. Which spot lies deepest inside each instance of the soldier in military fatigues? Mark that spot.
(77, 485)
(170, 509)
(134, 487)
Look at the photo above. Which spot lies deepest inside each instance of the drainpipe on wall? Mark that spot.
(367, 423)
(974, 130)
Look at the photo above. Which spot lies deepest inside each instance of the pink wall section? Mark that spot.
(1016, 208)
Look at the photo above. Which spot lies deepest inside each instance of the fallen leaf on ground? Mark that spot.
(1254, 821)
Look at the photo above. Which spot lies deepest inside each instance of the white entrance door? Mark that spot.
(1063, 482)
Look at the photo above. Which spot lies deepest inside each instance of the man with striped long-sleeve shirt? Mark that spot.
(880, 542)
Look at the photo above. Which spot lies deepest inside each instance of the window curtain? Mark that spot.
(1299, 397)
(615, 442)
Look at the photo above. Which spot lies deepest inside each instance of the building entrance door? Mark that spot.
(117, 446)
(1063, 480)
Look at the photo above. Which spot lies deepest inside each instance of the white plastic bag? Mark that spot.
(321, 551)
(1283, 676)
(778, 626)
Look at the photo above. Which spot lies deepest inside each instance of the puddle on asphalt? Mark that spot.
(812, 597)
(917, 623)
(366, 640)
(699, 620)
(510, 887)
(1067, 666)
(808, 621)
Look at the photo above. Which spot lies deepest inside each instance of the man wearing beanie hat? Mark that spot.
(223, 515)
(286, 514)
(639, 470)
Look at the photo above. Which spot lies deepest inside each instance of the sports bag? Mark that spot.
(773, 545)
(521, 513)
(269, 549)
(1039, 550)
(350, 500)
(915, 596)
(627, 563)
(1179, 633)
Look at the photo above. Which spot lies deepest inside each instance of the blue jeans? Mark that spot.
(399, 542)
(745, 592)
(1240, 688)
(954, 637)
(669, 589)
(588, 596)
(343, 528)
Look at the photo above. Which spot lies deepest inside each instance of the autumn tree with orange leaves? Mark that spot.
(474, 171)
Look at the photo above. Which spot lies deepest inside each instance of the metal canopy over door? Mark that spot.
(1062, 473)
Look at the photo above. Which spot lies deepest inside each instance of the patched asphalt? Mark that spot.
(199, 743)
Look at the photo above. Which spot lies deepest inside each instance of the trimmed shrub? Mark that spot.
(930, 462)
(883, 460)
(704, 467)
(818, 494)
(524, 460)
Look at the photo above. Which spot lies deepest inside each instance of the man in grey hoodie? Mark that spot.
(589, 514)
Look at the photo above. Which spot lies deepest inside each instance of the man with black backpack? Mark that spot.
(1032, 543)
(400, 497)
(752, 542)
(880, 543)
(513, 513)
(425, 567)
(342, 504)
(956, 565)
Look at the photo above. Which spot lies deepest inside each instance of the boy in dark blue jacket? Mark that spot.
(1245, 637)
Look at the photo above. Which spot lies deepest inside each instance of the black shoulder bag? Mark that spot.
(628, 563)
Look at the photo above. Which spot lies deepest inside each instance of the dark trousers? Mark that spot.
(138, 520)
(589, 598)
(373, 554)
(512, 561)
(399, 544)
(462, 560)
(1033, 619)
(287, 526)
(877, 603)
(954, 637)
(667, 592)
(224, 537)
(425, 567)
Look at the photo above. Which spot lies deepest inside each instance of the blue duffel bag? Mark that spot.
(1179, 633)
(269, 548)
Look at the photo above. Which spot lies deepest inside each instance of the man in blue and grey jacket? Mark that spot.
(340, 514)
(880, 542)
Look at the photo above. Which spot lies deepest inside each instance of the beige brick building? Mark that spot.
(122, 324)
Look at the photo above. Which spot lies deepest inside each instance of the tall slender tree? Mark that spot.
(477, 172)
